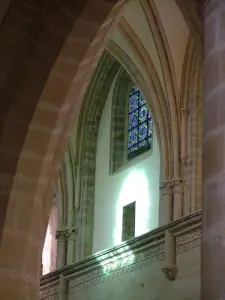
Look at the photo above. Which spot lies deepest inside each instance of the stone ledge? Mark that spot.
(186, 230)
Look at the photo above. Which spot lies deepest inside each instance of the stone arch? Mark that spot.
(191, 103)
(169, 96)
(88, 124)
(88, 129)
(41, 66)
(158, 112)
(89, 120)
(119, 104)
(66, 230)
(32, 93)
(193, 12)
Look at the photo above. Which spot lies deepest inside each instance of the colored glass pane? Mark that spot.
(133, 119)
(141, 100)
(133, 102)
(143, 129)
(139, 124)
(143, 144)
(149, 127)
(133, 137)
(143, 113)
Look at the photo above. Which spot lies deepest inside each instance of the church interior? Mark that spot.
(111, 150)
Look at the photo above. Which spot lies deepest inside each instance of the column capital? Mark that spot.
(166, 187)
(178, 186)
(171, 185)
(71, 233)
(61, 235)
(177, 181)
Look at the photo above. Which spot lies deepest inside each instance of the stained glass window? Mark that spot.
(139, 124)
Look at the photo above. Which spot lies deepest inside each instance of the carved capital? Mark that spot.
(71, 233)
(60, 235)
(57, 235)
(167, 188)
(178, 186)
(172, 186)
(170, 272)
(177, 181)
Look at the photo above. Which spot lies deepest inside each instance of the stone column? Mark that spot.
(70, 209)
(63, 288)
(184, 117)
(77, 188)
(61, 249)
(60, 201)
(199, 158)
(70, 191)
(213, 242)
(194, 152)
(170, 269)
(71, 243)
(183, 157)
(167, 203)
(178, 191)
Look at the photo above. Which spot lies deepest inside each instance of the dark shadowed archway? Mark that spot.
(48, 48)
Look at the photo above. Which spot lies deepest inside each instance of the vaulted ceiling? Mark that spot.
(150, 28)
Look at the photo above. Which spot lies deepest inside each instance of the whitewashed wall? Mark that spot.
(137, 181)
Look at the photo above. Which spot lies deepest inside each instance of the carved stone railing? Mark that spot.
(161, 246)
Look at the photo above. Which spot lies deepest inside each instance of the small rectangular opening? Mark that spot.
(128, 229)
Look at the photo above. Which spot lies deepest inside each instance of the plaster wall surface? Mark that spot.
(138, 180)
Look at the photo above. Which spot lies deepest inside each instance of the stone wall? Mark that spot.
(140, 269)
